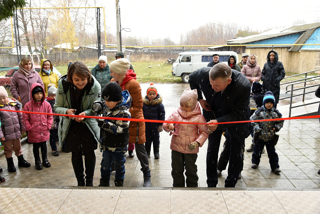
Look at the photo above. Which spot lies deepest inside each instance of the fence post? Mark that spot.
(304, 89)
(290, 106)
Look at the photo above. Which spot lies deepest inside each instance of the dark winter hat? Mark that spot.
(256, 88)
(119, 54)
(36, 90)
(112, 92)
(268, 97)
(215, 54)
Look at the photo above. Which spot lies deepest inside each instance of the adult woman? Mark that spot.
(76, 93)
(101, 71)
(127, 80)
(251, 70)
(47, 75)
(232, 62)
(22, 80)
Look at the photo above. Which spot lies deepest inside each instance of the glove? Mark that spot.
(97, 107)
(160, 128)
(193, 145)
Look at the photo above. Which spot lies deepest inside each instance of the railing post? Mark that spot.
(304, 89)
(290, 106)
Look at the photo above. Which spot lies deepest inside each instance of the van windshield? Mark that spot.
(222, 58)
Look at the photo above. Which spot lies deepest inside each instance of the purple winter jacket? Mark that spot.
(37, 125)
(11, 122)
(20, 85)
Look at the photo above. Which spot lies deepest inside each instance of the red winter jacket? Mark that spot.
(37, 125)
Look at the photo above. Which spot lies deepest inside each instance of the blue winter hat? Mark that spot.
(256, 88)
(268, 97)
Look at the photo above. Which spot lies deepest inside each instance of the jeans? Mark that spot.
(118, 157)
(273, 156)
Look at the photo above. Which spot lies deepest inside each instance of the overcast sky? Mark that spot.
(171, 18)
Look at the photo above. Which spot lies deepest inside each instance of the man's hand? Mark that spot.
(204, 105)
(212, 127)
(160, 128)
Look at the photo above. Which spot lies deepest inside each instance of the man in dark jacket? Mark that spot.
(227, 94)
(243, 61)
(272, 73)
(215, 58)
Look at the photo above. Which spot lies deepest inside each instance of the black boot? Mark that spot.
(131, 155)
(104, 183)
(1, 169)
(90, 163)
(147, 178)
(118, 183)
(22, 162)
(45, 161)
(38, 165)
(11, 167)
(36, 155)
(156, 152)
(78, 170)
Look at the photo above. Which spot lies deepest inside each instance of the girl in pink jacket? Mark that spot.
(186, 139)
(38, 125)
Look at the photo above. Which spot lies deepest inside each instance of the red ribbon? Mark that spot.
(163, 121)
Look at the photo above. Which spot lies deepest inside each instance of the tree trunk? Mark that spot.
(25, 29)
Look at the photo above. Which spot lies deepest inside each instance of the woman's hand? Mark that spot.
(71, 112)
(3, 139)
(79, 119)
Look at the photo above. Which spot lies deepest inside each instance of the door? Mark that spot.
(185, 65)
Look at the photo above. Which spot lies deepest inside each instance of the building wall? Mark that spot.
(295, 62)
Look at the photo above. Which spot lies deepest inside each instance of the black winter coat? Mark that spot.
(234, 100)
(236, 67)
(318, 95)
(272, 74)
(153, 110)
(211, 64)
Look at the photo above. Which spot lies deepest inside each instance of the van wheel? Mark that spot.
(185, 78)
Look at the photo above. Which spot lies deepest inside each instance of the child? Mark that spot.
(11, 130)
(153, 109)
(265, 132)
(54, 128)
(38, 125)
(186, 139)
(114, 133)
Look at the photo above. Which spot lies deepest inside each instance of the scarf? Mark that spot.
(23, 71)
(47, 71)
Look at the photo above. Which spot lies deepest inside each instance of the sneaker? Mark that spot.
(250, 148)
(254, 166)
(219, 173)
(55, 153)
(276, 171)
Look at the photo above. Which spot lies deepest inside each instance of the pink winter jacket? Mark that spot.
(251, 71)
(185, 134)
(37, 125)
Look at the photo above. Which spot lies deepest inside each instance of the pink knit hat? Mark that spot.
(189, 97)
(3, 92)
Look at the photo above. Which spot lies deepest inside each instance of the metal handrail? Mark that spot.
(301, 80)
(300, 74)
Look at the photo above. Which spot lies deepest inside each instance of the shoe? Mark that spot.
(38, 165)
(22, 162)
(81, 182)
(319, 172)
(1, 169)
(263, 151)
(276, 171)
(156, 156)
(46, 163)
(239, 177)
(250, 148)
(104, 183)
(2, 179)
(11, 167)
(254, 166)
(219, 173)
(55, 153)
(131, 155)
(156, 152)
(118, 183)
(147, 178)
(89, 182)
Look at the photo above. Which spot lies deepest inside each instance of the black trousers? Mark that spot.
(36, 147)
(89, 161)
(235, 157)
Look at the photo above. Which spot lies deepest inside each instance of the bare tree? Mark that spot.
(5, 35)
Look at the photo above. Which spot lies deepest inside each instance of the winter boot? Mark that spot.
(250, 148)
(156, 152)
(45, 161)
(276, 171)
(38, 165)
(131, 155)
(1, 169)
(319, 172)
(104, 183)
(11, 167)
(147, 178)
(90, 163)
(118, 183)
(254, 166)
(22, 162)
(2, 179)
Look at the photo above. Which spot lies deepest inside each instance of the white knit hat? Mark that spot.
(103, 58)
(3, 92)
(120, 66)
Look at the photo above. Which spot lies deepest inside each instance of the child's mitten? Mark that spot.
(193, 145)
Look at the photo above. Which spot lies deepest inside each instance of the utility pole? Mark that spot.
(118, 26)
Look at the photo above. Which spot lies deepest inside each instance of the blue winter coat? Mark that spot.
(153, 110)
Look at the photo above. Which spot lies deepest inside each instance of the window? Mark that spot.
(222, 58)
(186, 58)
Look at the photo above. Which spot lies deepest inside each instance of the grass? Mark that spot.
(157, 72)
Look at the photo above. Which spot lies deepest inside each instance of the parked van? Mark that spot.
(187, 62)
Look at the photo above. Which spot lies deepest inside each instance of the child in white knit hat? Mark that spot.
(11, 130)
